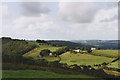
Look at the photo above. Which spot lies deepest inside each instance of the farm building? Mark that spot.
(50, 54)
(78, 50)
(93, 48)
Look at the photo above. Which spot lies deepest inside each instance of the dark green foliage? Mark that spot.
(14, 46)
(89, 51)
(98, 48)
(45, 52)
(65, 43)
(13, 49)
(77, 48)
(84, 48)
(41, 41)
(61, 50)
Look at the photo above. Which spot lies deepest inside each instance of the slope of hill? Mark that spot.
(15, 46)
(68, 43)
(35, 52)
(103, 44)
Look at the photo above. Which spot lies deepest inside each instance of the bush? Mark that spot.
(45, 52)
(89, 51)
(61, 50)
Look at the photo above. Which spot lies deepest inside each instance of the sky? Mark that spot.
(60, 20)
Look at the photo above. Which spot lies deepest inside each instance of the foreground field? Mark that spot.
(106, 53)
(38, 74)
(83, 59)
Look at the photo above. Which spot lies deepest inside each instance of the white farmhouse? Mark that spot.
(93, 48)
(78, 50)
(50, 54)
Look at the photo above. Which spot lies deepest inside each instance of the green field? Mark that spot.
(38, 74)
(35, 52)
(106, 53)
(83, 59)
(114, 65)
(50, 58)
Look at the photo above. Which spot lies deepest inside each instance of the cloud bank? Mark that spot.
(80, 12)
(33, 8)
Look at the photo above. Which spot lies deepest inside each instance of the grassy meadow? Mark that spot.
(83, 59)
(114, 65)
(38, 74)
(106, 53)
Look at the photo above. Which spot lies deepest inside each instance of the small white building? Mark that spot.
(93, 48)
(78, 50)
(50, 54)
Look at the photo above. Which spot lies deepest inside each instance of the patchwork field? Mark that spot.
(83, 59)
(35, 52)
(38, 74)
(114, 65)
(106, 53)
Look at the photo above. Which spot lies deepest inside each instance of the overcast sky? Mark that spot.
(60, 20)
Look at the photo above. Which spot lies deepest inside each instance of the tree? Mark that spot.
(41, 41)
(77, 48)
(89, 51)
(45, 52)
(61, 50)
(98, 48)
(83, 48)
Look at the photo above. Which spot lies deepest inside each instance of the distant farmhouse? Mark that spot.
(93, 48)
(78, 50)
(50, 54)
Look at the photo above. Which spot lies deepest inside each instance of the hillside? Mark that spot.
(68, 43)
(83, 59)
(15, 46)
(35, 52)
(103, 44)
(25, 55)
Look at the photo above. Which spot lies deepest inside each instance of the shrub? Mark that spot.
(45, 52)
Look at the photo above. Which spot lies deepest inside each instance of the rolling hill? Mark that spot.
(103, 44)
(68, 43)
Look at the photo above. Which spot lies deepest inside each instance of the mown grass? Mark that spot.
(83, 59)
(38, 74)
(106, 53)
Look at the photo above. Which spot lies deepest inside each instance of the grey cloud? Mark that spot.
(111, 4)
(80, 12)
(33, 8)
(115, 17)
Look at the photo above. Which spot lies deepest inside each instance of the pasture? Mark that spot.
(114, 65)
(38, 74)
(106, 53)
(35, 52)
(83, 59)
